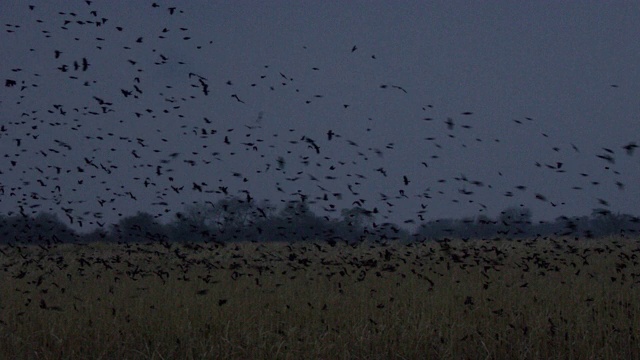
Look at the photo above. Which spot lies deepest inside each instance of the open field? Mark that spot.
(532, 299)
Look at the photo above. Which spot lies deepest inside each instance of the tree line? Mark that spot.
(235, 219)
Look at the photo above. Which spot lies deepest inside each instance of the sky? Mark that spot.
(435, 109)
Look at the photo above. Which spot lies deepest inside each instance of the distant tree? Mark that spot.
(357, 217)
(202, 222)
(517, 221)
(568, 226)
(51, 230)
(234, 212)
(296, 221)
(97, 235)
(485, 227)
(390, 232)
(44, 228)
(466, 228)
(137, 228)
(436, 229)
(604, 222)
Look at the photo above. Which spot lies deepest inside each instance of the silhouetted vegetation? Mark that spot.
(234, 219)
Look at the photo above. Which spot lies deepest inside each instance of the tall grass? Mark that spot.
(531, 299)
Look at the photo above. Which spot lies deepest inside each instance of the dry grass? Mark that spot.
(468, 300)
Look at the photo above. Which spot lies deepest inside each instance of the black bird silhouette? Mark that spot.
(449, 123)
(235, 96)
(205, 86)
(330, 134)
(630, 148)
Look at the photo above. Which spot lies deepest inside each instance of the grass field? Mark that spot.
(530, 299)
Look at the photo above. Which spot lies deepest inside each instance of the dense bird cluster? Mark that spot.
(209, 264)
(296, 293)
(113, 120)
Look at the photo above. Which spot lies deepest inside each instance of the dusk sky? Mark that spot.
(477, 105)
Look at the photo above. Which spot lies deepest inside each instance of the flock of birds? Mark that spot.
(109, 121)
(79, 281)
(87, 146)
